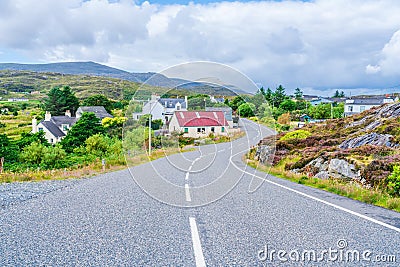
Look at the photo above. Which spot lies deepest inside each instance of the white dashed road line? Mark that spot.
(187, 193)
(187, 176)
(198, 252)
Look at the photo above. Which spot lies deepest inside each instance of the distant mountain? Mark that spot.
(96, 69)
(92, 69)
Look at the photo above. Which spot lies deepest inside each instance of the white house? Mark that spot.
(358, 105)
(55, 128)
(162, 108)
(199, 123)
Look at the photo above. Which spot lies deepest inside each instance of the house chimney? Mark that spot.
(47, 116)
(68, 113)
(34, 125)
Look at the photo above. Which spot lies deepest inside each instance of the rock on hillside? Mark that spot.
(369, 139)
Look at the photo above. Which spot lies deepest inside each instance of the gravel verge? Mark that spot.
(15, 193)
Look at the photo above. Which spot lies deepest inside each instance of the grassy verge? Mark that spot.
(92, 169)
(373, 196)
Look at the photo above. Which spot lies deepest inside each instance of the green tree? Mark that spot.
(268, 95)
(135, 139)
(8, 149)
(288, 105)
(98, 100)
(28, 138)
(279, 96)
(236, 102)
(246, 109)
(298, 94)
(321, 111)
(97, 145)
(85, 127)
(337, 94)
(60, 100)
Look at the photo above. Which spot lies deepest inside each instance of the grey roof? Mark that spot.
(53, 129)
(60, 120)
(227, 111)
(99, 111)
(171, 102)
(368, 101)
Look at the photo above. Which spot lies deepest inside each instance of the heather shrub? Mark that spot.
(393, 181)
(298, 134)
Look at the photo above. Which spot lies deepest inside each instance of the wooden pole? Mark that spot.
(1, 164)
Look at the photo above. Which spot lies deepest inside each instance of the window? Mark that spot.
(212, 129)
(40, 129)
(65, 127)
(222, 129)
(186, 130)
(362, 108)
(51, 140)
(350, 108)
(201, 130)
(178, 107)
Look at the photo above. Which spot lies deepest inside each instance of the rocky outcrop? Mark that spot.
(335, 168)
(341, 169)
(264, 153)
(368, 139)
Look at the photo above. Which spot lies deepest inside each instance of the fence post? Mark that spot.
(1, 164)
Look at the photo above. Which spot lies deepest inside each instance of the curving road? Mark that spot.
(203, 208)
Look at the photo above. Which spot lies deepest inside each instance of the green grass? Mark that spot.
(373, 196)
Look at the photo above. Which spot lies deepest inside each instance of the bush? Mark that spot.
(298, 134)
(284, 118)
(393, 181)
(97, 145)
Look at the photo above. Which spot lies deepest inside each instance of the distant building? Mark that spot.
(357, 105)
(227, 112)
(320, 100)
(99, 111)
(310, 97)
(55, 128)
(199, 123)
(18, 100)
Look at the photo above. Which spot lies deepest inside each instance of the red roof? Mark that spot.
(201, 118)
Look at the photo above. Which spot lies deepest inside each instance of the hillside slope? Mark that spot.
(362, 148)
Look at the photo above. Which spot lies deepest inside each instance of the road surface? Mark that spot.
(201, 208)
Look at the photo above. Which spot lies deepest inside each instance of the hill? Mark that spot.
(99, 70)
(34, 85)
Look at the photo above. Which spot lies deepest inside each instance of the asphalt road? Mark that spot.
(201, 208)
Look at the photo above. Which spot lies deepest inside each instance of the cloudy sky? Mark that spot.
(316, 45)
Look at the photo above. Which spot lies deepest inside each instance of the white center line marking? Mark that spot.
(198, 252)
(187, 175)
(190, 168)
(187, 193)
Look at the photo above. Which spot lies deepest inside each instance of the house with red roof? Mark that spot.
(199, 123)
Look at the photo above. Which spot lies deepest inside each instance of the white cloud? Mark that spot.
(390, 62)
(372, 69)
(317, 44)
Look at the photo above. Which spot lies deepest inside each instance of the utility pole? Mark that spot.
(150, 131)
(331, 111)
